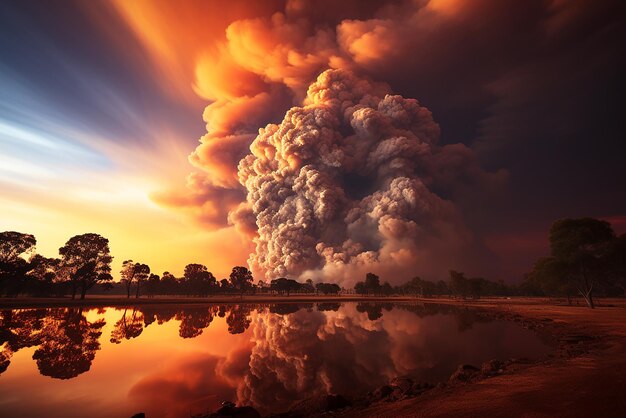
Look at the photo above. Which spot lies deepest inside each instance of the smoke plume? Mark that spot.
(353, 180)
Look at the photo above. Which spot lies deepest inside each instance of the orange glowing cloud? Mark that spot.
(183, 47)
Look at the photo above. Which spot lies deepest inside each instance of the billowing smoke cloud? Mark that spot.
(346, 183)
(380, 191)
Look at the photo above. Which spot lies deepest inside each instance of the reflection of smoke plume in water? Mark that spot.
(346, 183)
(306, 354)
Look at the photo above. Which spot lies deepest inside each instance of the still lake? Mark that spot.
(173, 360)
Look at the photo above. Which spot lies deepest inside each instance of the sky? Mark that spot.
(129, 119)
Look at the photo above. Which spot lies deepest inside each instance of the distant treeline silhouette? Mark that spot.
(587, 258)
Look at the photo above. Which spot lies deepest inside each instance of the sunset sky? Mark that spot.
(128, 118)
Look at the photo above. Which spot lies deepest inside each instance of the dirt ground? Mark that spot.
(585, 378)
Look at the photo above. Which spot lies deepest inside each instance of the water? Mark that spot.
(173, 361)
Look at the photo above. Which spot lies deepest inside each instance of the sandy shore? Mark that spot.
(585, 378)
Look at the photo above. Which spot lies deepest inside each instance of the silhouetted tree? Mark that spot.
(241, 279)
(360, 288)
(284, 285)
(372, 283)
(133, 273)
(15, 247)
(153, 285)
(199, 280)
(328, 288)
(617, 262)
(582, 249)
(42, 274)
(475, 286)
(459, 284)
(87, 260)
(169, 283)
(546, 278)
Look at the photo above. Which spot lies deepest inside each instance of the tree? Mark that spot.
(15, 247)
(459, 284)
(582, 248)
(169, 284)
(546, 278)
(476, 285)
(42, 274)
(133, 273)
(386, 289)
(328, 288)
(87, 260)
(141, 275)
(360, 288)
(617, 261)
(241, 279)
(153, 284)
(372, 283)
(198, 279)
(284, 285)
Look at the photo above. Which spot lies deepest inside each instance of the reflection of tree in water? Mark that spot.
(289, 308)
(374, 310)
(18, 329)
(328, 306)
(160, 314)
(68, 343)
(194, 320)
(238, 319)
(130, 325)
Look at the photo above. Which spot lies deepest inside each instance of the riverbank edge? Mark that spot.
(572, 342)
(116, 301)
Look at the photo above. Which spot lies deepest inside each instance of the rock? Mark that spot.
(464, 373)
(382, 392)
(405, 384)
(228, 410)
(491, 368)
(419, 388)
(318, 404)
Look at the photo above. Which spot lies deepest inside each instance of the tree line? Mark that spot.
(456, 286)
(586, 258)
(85, 261)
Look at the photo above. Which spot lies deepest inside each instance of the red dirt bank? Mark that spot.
(587, 377)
